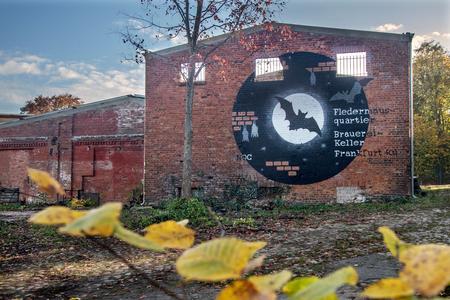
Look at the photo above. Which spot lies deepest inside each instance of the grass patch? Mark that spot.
(12, 207)
(433, 199)
(138, 218)
(21, 231)
(21, 207)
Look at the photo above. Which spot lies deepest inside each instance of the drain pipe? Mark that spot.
(411, 111)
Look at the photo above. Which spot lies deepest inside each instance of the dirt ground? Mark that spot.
(38, 263)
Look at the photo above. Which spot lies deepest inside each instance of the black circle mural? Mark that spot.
(304, 125)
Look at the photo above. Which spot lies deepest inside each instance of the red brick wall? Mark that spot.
(382, 169)
(98, 150)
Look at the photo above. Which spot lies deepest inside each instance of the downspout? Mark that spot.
(147, 59)
(71, 158)
(411, 111)
(58, 151)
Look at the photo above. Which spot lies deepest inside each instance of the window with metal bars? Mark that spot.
(268, 69)
(351, 64)
(200, 75)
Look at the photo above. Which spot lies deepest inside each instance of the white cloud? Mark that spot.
(159, 39)
(419, 39)
(441, 34)
(91, 84)
(388, 27)
(81, 79)
(67, 73)
(442, 38)
(32, 58)
(14, 67)
(20, 64)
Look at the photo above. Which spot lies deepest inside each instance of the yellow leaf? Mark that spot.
(244, 290)
(388, 288)
(392, 242)
(272, 282)
(217, 260)
(56, 215)
(254, 264)
(301, 283)
(135, 239)
(426, 268)
(324, 287)
(45, 182)
(101, 221)
(170, 234)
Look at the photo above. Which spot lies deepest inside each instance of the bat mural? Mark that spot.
(349, 96)
(299, 120)
(304, 127)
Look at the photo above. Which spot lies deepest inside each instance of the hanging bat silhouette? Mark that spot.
(297, 121)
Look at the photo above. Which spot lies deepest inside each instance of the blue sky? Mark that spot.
(56, 46)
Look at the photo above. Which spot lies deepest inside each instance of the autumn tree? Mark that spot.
(432, 111)
(195, 21)
(42, 104)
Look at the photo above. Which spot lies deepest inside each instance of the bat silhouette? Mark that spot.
(348, 96)
(297, 121)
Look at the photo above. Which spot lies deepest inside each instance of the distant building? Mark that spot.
(323, 117)
(95, 150)
(12, 117)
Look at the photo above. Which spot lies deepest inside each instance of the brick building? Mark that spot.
(95, 150)
(322, 116)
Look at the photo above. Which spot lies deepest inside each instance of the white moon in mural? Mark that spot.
(306, 104)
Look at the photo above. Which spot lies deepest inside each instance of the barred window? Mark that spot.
(185, 69)
(268, 69)
(351, 64)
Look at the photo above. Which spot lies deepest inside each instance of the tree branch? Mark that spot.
(152, 282)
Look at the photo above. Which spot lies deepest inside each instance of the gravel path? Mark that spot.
(13, 216)
(306, 245)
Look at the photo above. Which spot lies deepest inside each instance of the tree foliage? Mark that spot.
(194, 21)
(432, 112)
(42, 104)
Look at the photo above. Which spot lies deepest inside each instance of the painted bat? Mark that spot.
(348, 96)
(297, 121)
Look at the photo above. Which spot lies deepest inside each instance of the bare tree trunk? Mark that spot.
(186, 185)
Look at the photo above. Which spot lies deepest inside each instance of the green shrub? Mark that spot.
(193, 209)
(142, 217)
(174, 209)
